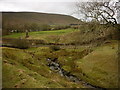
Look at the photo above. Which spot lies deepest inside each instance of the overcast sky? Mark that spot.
(66, 7)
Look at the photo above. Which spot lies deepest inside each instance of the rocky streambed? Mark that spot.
(55, 66)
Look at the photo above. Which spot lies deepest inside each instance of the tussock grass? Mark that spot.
(101, 66)
(96, 65)
(23, 70)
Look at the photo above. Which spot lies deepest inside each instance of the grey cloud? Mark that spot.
(47, 6)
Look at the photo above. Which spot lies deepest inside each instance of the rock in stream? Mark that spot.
(55, 66)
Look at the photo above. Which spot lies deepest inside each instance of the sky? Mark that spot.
(66, 7)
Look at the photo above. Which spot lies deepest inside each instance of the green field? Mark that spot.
(39, 34)
(48, 36)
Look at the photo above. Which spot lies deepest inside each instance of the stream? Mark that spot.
(55, 66)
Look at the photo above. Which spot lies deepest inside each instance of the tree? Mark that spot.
(103, 12)
(26, 32)
(44, 27)
(26, 26)
(34, 26)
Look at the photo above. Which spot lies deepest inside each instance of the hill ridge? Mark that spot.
(36, 17)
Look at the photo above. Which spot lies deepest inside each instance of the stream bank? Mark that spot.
(55, 66)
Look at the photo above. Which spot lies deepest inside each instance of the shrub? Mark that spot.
(44, 27)
(59, 27)
(21, 43)
(54, 48)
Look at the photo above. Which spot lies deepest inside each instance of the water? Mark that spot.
(55, 66)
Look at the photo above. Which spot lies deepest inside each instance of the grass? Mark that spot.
(24, 71)
(101, 66)
(85, 35)
(54, 36)
(19, 19)
(29, 66)
(40, 34)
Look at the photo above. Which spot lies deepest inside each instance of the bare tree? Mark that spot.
(104, 12)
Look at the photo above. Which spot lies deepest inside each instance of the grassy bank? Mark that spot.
(28, 67)
(23, 70)
(101, 66)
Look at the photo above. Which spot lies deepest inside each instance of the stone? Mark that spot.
(61, 73)
(52, 67)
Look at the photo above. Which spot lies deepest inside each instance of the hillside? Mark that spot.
(29, 67)
(30, 71)
(33, 17)
(68, 58)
